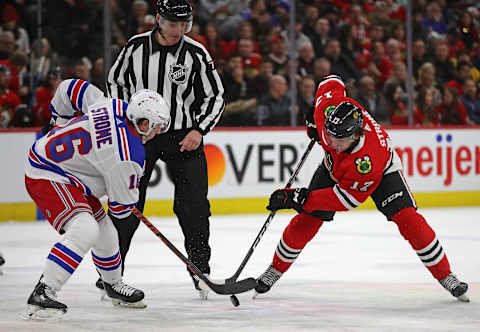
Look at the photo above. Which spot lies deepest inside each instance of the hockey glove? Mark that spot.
(312, 131)
(288, 198)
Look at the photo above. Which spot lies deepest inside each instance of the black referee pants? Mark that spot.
(188, 171)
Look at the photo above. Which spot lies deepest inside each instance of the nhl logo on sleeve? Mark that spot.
(364, 166)
(178, 73)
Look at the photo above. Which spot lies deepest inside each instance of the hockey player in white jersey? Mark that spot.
(68, 170)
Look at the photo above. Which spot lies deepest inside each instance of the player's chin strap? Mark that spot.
(220, 288)
(270, 216)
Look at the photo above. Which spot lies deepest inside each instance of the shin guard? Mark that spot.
(415, 229)
(297, 234)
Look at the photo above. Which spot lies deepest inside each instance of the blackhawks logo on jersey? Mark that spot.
(364, 166)
(328, 110)
(178, 73)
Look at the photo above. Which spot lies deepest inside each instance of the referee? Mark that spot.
(182, 71)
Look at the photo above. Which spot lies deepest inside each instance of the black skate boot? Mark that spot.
(266, 280)
(457, 288)
(42, 304)
(123, 295)
(2, 261)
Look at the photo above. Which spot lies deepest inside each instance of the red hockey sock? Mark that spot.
(415, 229)
(302, 228)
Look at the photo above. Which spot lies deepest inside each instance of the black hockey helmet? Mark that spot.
(345, 120)
(175, 10)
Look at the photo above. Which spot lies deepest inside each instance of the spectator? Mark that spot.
(468, 31)
(434, 22)
(217, 47)
(278, 54)
(250, 59)
(426, 79)
(396, 104)
(350, 41)
(234, 60)
(259, 83)
(464, 71)
(23, 117)
(340, 64)
(393, 50)
(274, 108)
(82, 69)
(375, 64)
(375, 34)
(372, 100)
(10, 23)
(398, 76)
(97, 74)
(8, 99)
(306, 94)
(43, 58)
(43, 96)
(419, 55)
(320, 36)
(19, 61)
(311, 19)
(379, 15)
(135, 21)
(321, 68)
(240, 101)
(454, 42)
(464, 55)
(425, 114)
(245, 31)
(451, 110)
(306, 56)
(471, 101)
(445, 69)
(300, 37)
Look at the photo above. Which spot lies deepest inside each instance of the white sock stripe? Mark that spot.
(289, 248)
(428, 247)
(436, 260)
(283, 258)
(428, 256)
(285, 253)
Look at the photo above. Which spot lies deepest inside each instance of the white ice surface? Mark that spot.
(357, 274)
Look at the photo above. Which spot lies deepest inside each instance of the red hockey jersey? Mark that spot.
(358, 172)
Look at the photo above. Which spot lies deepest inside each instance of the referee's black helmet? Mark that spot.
(175, 10)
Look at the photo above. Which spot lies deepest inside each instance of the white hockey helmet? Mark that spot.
(148, 104)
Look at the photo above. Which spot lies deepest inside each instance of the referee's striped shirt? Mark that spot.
(184, 74)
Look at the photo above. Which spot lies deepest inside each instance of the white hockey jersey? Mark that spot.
(97, 152)
(72, 98)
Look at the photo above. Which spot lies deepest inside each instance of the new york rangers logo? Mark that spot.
(178, 73)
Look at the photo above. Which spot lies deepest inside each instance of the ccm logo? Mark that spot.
(391, 198)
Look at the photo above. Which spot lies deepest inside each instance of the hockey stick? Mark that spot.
(224, 289)
(232, 279)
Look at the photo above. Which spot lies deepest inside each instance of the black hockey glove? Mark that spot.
(288, 198)
(310, 123)
(49, 126)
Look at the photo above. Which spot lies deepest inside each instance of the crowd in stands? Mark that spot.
(363, 41)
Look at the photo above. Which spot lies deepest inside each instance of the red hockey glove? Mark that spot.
(288, 198)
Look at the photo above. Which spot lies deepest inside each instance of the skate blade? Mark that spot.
(39, 314)
(203, 294)
(1, 273)
(255, 294)
(104, 297)
(128, 305)
(463, 298)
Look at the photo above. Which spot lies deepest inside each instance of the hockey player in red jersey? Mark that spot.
(359, 162)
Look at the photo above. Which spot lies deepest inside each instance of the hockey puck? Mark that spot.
(234, 300)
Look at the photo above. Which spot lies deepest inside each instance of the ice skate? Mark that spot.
(123, 295)
(201, 287)
(2, 261)
(457, 288)
(266, 280)
(101, 289)
(42, 304)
